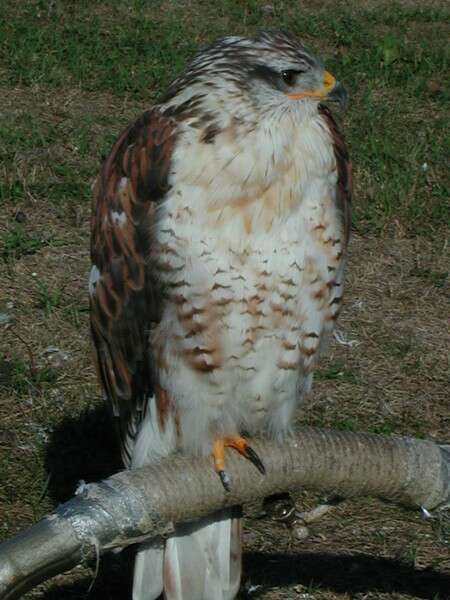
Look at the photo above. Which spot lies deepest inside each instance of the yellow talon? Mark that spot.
(241, 445)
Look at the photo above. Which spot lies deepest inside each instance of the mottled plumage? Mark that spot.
(220, 225)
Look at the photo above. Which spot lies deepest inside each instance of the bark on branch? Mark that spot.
(133, 505)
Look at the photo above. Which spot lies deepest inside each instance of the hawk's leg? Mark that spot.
(241, 445)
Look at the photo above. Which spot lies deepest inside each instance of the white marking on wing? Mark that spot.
(94, 276)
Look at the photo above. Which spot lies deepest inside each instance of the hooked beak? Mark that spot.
(330, 89)
(338, 94)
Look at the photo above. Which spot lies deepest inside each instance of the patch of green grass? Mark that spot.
(75, 314)
(16, 243)
(337, 371)
(25, 133)
(436, 278)
(386, 428)
(345, 425)
(390, 57)
(123, 53)
(48, 299)
(44, 377)
(54, 188)
(48, 163)
(399, 347)
(21, 376)
(14, 374)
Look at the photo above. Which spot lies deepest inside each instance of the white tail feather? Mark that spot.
(202, 560)
(148, 573)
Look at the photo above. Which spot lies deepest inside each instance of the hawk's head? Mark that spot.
(250, 79)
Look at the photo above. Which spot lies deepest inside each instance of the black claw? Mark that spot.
(225, 479)
(251, 455)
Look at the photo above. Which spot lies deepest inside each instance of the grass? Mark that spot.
(17, 243)
(72, 75)
(21, 375)
(337, 370)
(391, 59)
(14, 374)
(48, 299)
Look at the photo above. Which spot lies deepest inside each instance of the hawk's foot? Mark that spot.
(241, 445)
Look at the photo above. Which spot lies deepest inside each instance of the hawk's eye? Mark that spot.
(289, 76)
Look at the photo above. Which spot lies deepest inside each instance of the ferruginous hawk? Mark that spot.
(219, 231)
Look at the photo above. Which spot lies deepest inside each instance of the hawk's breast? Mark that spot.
(252, 282)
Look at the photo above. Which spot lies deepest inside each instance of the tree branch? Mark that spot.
(133, 505)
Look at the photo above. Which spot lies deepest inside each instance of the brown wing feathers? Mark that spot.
(125, 298)
(344, 170)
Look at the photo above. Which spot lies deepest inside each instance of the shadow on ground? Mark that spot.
(81, 448)
(113, 581)
(350, 575)
(343, 574)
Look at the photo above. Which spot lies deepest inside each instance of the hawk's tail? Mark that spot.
(201, 560)
(148, 572)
